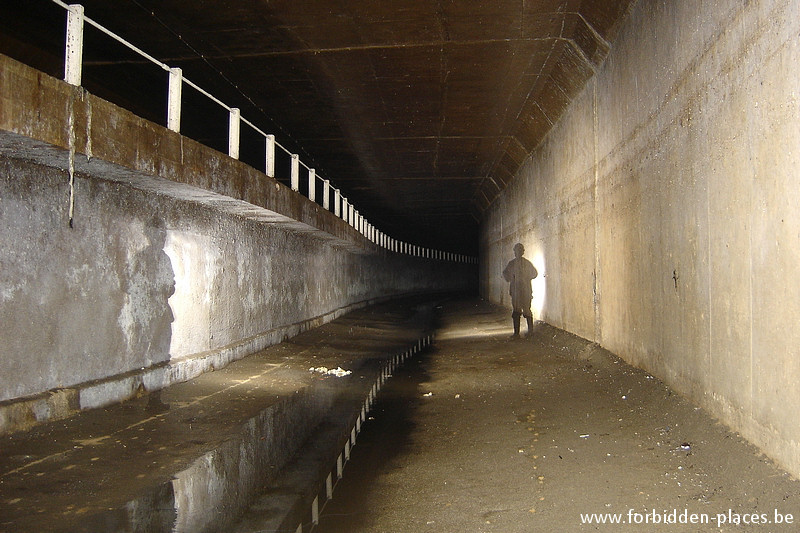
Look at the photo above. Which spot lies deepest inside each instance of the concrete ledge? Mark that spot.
(50, 118)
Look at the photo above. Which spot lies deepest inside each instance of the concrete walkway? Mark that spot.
(486, 434)
(199, 455)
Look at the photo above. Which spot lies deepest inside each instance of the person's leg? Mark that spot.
(515, 317)
(526, 312)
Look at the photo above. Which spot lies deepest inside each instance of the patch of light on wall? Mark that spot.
(539, 285)
(190, 302)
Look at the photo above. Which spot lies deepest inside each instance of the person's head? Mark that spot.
(519, 250)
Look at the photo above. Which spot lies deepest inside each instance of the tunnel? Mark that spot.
(258, 259)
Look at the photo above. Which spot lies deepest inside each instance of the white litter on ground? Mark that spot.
(338, 371)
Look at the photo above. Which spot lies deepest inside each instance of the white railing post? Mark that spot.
(337, 202)
(351, 216)
(345, 209)
(174, 99)
(270, 157)
(295, 172)
(312, 184)
(73, 57)
(234, 124)
(326, 194)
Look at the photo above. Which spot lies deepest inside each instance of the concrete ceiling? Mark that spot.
(421, 111)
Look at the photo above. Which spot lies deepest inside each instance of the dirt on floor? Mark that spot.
(552, 433)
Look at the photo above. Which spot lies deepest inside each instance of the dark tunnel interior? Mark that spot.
(419, 113)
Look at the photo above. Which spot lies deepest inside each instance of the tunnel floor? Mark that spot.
(477, 432)
(485, 433)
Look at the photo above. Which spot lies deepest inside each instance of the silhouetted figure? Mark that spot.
(518, 273)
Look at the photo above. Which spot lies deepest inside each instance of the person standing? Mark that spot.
(518, 273)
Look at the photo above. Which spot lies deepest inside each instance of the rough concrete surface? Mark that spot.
(488, 434)
(662, 211)
(126, 274)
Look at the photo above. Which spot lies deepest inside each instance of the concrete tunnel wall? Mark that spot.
(158, 279)
(662, 211)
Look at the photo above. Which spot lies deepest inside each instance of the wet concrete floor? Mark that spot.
(194, 456)
(552, 433)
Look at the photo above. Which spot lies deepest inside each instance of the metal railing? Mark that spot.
(332, 198)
